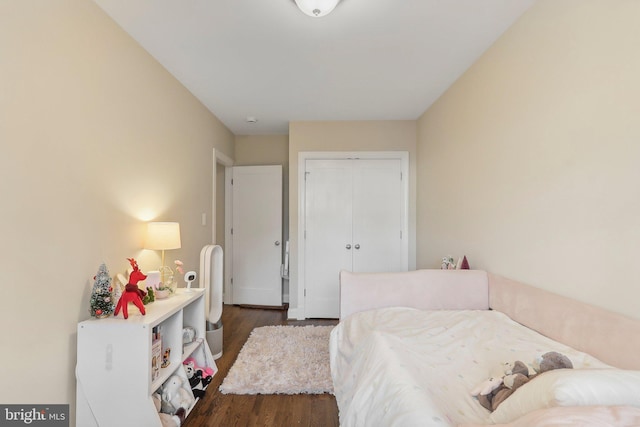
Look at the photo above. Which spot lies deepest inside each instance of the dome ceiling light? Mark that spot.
(316, 8)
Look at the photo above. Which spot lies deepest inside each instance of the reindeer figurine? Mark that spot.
(131, 291)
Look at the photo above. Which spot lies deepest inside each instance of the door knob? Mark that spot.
(348, 246)
(277, 243)
(357, 246)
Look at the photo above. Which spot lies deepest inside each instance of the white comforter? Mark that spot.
(406, 367)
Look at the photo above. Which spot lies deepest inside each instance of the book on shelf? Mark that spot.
(156, 354)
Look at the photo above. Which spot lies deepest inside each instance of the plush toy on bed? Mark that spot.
(550, 361)
(487, 386)
(519, 375)
(493, 382)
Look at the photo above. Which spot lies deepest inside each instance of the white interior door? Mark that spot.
(354, 217)
(377, 216)
(257, 235)
(327, 234)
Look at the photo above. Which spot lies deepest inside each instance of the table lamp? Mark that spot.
(163, 236)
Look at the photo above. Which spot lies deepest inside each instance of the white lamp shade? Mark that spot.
(317, 8)
(163, 235)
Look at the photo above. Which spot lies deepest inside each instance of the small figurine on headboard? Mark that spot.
(131, 291)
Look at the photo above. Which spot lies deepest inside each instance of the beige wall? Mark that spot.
(530, 163)
(347, 136)
(253, 150)
(97, 138)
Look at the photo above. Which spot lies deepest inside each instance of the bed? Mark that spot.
(411, 346)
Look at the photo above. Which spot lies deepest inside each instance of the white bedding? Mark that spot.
(406, 367)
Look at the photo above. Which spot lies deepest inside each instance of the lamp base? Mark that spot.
(167, 281)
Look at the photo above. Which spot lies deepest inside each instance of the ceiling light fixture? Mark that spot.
(316, 8)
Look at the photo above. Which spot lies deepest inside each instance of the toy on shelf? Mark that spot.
(168, 420)
(101, 303)
(176, 395)
(166, 358)
(131, 292)
(206, 372)
(149, 297)
(199, 378)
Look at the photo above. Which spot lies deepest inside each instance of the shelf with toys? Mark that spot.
(119, 382)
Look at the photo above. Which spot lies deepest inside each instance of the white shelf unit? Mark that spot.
(113, 371)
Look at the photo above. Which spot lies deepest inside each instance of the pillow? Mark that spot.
(571, 387)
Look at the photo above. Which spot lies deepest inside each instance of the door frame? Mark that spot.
(219, 158)
(300, 312)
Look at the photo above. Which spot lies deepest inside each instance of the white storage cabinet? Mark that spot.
(114, 373)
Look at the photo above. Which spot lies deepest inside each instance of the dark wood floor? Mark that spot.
(217, 409)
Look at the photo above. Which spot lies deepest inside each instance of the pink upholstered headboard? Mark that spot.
(611, 337)
(422, 289)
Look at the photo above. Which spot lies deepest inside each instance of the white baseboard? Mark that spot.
(295, 313)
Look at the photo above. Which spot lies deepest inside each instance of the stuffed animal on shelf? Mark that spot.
(131, 292)
(520, 374)
(176, 394)
(168, 420)
(199, 378)
(149, 297)
(206, 371)
(175, 420)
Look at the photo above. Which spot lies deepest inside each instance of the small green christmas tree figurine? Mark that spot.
(101, 304)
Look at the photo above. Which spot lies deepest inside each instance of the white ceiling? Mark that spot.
(367, 60)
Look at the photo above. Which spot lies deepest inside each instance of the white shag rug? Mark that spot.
(282, 360)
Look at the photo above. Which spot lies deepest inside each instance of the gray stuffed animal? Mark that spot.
(520, 376)
(550, 361)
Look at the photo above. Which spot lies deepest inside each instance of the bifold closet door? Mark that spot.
(353, 221)
(257, 235)
(327, 236)
(377, 216)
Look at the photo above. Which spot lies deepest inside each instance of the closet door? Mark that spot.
(257, 235)
(377, 216)
(327, 242)
(354, 213)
